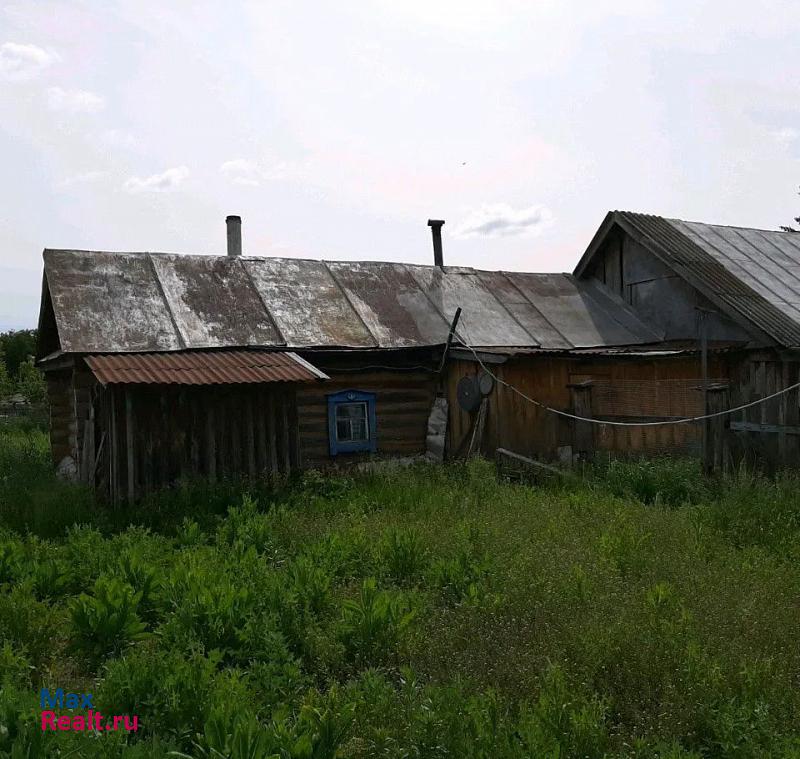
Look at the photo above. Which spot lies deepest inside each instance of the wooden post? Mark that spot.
(783, 412)
(715, 451)
(583, 432)
(129, 444)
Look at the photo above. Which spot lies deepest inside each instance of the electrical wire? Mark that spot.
(591, 420)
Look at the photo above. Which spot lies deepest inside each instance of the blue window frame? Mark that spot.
(351, 422)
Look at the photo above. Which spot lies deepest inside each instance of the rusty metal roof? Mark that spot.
(202, 368)
(152, 302)
(753, 274)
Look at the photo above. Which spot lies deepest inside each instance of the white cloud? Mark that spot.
(501, 220)
(786, 135)
(84, 177)
(74, 101)
(167, 180)
(120, 139)
(244, 172)
(19, 62)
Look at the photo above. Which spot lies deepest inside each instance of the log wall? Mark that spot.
(403, 403)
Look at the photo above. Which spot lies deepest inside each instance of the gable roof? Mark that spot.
(753, 275)
(151, 302)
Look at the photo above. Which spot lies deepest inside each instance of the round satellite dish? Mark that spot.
(485, 383)
(468, 393)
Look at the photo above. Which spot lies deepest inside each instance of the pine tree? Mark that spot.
(792, 229)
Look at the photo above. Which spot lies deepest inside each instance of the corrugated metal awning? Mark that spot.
(202, 368)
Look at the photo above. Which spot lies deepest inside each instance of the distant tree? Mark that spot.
(796, 221)
(30, 382)
(17, 345)
(6, 385)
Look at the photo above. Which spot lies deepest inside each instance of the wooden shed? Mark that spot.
(715, 285)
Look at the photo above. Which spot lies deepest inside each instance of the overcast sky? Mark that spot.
(337, 129)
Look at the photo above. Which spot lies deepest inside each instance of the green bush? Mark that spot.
(105, 622)
(206, 608)
(372, 624)
(665, 481)
(403, 556)
(564, 721)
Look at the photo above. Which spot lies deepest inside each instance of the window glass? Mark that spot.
(351, 422)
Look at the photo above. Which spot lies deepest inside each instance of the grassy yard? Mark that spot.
(422, 612)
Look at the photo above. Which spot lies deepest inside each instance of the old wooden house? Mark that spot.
(163, 366)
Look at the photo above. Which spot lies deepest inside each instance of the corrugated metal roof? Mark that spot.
(202, 368)
(755, 273)
(152, 302)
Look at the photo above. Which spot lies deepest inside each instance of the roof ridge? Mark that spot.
(326, 261)
(705, 223)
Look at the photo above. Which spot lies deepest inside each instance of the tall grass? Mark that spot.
(423, 612)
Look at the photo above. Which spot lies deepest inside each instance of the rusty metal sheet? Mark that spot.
(579, 317)
(391, 304)
(484, 321)
(203, 368)
(307, 304)
(214, 302)
(108, 302)
(544, 334)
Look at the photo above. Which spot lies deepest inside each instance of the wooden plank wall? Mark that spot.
(402, 404)
(766, 435)
(165, 433)
(519, 426)
(512, 422)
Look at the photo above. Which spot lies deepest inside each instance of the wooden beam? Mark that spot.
(756, 427)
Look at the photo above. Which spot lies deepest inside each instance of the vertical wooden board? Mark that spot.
(195, 436)
(114, 465)
(211, 440)
(236, 428)
(294, 430)
(284, 432)
(272, 431)
(129, 446)
(261, 424)
(250, 434)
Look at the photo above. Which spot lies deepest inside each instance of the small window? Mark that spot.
(351, 422)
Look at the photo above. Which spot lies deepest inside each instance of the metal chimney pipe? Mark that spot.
(436, 231)
(234, 224)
